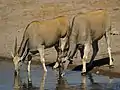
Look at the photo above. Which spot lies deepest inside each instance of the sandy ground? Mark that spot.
(16, 14)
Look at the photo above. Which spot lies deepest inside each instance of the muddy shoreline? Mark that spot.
(99, 67)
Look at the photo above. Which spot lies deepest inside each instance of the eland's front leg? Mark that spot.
(29, 70)
(42, 57)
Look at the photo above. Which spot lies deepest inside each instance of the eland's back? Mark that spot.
(91, 25)
(46, 32)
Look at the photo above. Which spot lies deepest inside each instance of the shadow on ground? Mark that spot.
(96, 63)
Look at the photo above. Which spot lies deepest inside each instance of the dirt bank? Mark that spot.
(16, 14)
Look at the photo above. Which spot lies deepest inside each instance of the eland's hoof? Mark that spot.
(111, 66)
(83, 73)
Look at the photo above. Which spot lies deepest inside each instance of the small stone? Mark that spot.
(97, 72)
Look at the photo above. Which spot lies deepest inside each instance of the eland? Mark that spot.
(38, 36)
(86, 30)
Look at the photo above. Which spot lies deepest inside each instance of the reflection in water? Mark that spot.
(18, 83)
(90, 77)
(84, 83)
(42, 83)
(93, 84)
(72, 80)
(62, 84)
(98, 86)
(110, 78)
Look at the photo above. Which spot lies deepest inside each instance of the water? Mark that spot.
(50, 81)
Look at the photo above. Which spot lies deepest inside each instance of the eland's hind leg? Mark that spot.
(57, 48)
(42, 57)
(85, 57)
(60, 47)
(107, 37)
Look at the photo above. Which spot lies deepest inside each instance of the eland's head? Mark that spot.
(17, 60)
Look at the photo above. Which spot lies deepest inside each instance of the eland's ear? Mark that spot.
(15, 47)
